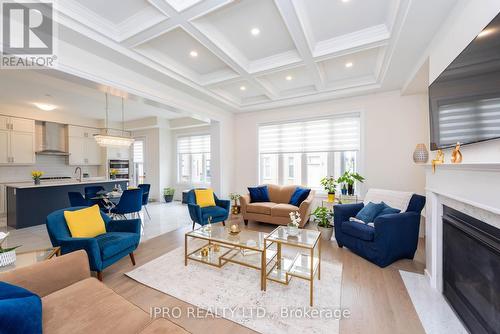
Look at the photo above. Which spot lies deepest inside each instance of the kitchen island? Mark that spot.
(29, 204)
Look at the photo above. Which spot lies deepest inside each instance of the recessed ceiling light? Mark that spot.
(349, 64)
(193, 54)
(243, 88)
(485, 32)
(255, 31)
(345, 0)
(289, 78)
(45, 106)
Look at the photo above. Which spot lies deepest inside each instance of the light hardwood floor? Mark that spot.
(377, 298)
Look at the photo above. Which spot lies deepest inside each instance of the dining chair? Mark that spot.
(77, 199)
(145, 197)
(130, 203)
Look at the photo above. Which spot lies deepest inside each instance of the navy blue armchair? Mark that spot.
(394, 236)
(219, 212)
(121, 239)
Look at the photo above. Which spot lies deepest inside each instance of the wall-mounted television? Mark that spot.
(464, 100)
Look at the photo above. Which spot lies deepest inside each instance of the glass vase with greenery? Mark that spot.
(235, 197)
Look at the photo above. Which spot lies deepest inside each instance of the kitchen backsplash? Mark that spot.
(51, 165)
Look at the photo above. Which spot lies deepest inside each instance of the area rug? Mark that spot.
(233, 292)
(433, 311)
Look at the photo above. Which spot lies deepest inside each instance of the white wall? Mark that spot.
(464, 23)
(157, 157)
(391, 127)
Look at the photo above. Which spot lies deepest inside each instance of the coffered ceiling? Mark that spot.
(256, 54)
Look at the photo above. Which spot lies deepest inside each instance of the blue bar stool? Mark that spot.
(145, 197)
(130, 203)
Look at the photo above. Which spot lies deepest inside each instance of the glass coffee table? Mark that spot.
(260, 251)
(306, 263)
(219, 246)
(24, 259)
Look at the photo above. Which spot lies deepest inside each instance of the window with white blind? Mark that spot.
(193, 159)
(303, 152)
(138, 159)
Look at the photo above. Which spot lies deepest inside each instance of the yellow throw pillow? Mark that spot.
(85, 223)
(204, 197)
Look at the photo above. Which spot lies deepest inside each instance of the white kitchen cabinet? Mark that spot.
(82, 146)
(17, 141)
(3, 200)
(4, 123)
(76, 150)
(22, 147)
(118, 153)
(93, 152)
(22, 125)
(4, 147)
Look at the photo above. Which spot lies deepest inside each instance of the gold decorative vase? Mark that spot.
(456, 155)
(331, 197)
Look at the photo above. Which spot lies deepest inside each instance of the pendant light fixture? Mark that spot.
(109, 140)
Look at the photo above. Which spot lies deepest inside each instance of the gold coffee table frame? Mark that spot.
(303, 266)
(231, 249)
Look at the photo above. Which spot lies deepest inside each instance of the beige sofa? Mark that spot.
(278, 210)
(74, 302)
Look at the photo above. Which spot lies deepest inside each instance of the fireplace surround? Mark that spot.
(471, 270)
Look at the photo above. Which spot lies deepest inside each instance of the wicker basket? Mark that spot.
(7, 258)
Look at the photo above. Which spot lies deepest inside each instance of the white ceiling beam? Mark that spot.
(184, 19)
(294, 26)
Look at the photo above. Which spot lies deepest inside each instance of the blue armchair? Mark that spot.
(219, 212)
(394, 237)
(121, 239)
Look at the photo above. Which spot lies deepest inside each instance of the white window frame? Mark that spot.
(360, 157)
(178, 170)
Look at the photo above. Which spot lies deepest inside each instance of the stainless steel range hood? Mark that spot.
(53, 139)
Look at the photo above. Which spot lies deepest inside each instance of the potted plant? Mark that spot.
(349, 178)
(36, 175)
(112, 174)
(293, 225)
(7, 255)
(168, 194)
(329, 184)
(322, 218)
(236, 208)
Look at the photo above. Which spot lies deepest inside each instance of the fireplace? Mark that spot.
(471, 270)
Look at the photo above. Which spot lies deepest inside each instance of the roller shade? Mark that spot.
(193, 144)
(321, 135)
(138, 151)
(469, 121)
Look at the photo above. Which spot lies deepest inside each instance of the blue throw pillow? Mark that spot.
(370, 211)
(20, 310)
(387, 210)
(299, 195)
(259, 194)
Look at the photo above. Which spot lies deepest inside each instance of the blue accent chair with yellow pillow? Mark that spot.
(200, 214)
(390, 237)
(120, 239)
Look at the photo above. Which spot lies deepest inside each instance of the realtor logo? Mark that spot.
(27, 35)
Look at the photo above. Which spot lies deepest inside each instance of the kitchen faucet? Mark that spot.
(80, 175)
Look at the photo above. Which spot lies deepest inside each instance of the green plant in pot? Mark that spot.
(168, 194)
(348, 179)
(322, 216)
(7, 255)
(329, 184)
